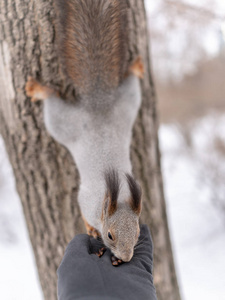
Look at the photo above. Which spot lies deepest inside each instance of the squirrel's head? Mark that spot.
(120, 219)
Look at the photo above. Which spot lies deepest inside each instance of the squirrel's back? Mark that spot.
(94, 40)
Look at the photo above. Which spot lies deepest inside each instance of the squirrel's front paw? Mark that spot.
(116, 261)
(37, 91)
(101, 251)
(91, 230)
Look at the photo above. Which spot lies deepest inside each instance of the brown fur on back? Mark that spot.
(93, 42)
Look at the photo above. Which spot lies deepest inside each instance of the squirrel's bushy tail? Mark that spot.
(94, 41)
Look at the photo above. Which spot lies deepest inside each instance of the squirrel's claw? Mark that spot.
(101, 252)
(115, 261)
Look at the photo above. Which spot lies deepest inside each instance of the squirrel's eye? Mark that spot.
(110, 236)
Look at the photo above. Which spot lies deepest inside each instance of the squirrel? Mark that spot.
(97, 128)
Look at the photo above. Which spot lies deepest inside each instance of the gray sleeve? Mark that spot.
(83, 275)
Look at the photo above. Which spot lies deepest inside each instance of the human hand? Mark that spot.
(83, 275)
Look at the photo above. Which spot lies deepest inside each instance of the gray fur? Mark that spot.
(99, 139)
(124, 225)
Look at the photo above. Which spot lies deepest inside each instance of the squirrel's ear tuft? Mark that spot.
(136, 194)
(105, 207)
(112, 190)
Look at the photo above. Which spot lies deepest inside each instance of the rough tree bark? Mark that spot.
(46, 176)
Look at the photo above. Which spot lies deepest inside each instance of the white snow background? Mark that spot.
(197, 228)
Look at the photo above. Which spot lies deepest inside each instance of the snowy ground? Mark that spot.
(197, 227)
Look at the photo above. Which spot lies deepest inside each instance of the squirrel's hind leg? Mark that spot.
(62, 119)
(137, 68)
(37, 91)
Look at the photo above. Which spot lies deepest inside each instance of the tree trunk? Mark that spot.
(46, 176)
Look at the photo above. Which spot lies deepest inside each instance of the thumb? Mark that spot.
(79, 245)
(78, 248)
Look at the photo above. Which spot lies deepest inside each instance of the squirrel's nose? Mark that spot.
(126, 257)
